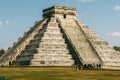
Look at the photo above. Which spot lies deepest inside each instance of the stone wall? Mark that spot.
(59, 11)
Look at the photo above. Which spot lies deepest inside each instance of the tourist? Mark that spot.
(76, 67)
(99, 66)
(85, 66)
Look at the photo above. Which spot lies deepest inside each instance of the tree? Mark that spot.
(2, 51)
(116, 48)
(3, 78)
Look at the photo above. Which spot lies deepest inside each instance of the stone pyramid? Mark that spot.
(60, 39)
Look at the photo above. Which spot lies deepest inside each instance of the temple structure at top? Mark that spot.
(59, 11)
(60, 39)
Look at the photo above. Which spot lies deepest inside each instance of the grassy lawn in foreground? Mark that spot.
(57, 73)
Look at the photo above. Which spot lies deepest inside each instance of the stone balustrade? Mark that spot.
(78, 39)
(107, 54)
(48, 46)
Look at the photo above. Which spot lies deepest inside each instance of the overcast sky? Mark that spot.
(17, 16)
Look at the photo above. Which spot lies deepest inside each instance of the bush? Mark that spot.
(2, 51)
(3, 78)
(116, 48)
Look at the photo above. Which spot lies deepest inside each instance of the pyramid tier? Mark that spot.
(52, 63)
(48, 46)
(107, 54)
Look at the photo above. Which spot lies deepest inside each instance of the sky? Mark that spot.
(17, 16)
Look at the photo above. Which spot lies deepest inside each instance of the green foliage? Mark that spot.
(2, 51)
(3, 78)
(116, 48)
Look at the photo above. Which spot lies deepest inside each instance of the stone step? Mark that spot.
(47, 54)
(48, 46)
(52, 30)
(44, 58)
(51, 24)
(52, 40)
(76, 35)
(52, 63)
(51, 55)
(52, 19)
(52, 51)
(50, 35)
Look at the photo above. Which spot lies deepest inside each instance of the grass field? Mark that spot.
(57, 73)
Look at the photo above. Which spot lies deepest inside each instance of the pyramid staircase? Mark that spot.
(91, 48)
(48, 48)
(61, 40)
(18, 47)
(79, 41)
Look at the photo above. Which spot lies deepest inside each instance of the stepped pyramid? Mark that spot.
(60, 39)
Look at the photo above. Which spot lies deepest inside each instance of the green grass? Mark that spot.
(57, 73)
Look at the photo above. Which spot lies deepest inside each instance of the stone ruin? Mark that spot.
(60, 39)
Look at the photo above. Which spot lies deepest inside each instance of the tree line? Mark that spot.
(117, 48)
(2, 51)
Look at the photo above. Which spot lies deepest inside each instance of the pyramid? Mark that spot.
(60, 39)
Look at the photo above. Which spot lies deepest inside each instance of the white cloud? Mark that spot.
(114, 34)
(86, 0)
(117, 7)
(7, 22)
(1, 23)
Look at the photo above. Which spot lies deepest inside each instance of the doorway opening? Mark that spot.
(64, 16)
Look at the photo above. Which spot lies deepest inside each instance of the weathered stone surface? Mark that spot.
(106, 53)
(60, 40)
(49, 50)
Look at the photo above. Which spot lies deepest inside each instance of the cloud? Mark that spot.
(4, 22)
(117, 7)
(114, 34)
(86, 0)
(7, 22)
(1, 23)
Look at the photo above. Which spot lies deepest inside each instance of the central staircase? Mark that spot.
(48, 48)
(61, 40)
